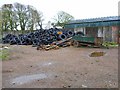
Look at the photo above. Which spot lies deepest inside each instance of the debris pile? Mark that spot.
(39, 37)
(55, 45)
(47, 47)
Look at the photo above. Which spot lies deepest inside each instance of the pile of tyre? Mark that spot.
(38, 37)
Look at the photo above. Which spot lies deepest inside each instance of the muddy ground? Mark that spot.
(68, 67)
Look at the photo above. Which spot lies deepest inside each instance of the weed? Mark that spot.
(4, 54)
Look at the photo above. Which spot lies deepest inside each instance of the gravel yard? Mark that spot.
(68, 67)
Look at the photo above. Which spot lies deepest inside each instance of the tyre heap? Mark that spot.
(38, 37)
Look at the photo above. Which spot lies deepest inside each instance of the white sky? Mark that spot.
(80, 9)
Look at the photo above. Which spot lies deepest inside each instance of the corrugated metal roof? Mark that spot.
(94, 22)
(101, 19)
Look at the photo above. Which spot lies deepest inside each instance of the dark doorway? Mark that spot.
(92, 31)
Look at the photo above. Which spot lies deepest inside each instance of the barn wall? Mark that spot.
(79, 29)
(114, 33)
(107, 33)
(100, 31)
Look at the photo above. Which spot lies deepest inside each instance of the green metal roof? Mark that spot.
(108, 21)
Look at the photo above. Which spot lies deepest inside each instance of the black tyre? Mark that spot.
(62, 36)
(70, 33)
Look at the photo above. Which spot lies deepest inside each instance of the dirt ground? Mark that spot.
(68, 67)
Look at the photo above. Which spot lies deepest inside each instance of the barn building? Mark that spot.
(106, 27)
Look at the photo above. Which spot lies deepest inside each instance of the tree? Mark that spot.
(0, 21)
(22, 15)
(35, 18)
(31, 15)
(6, 17)
(39, 19)
(18, 16)
(28, 17)
(62, 18)
(11, 15)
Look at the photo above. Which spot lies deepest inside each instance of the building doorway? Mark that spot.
(92, 31)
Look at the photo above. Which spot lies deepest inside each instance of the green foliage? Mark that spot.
(18, 16)
(7, 17)
(0, 21)
(4, 54)
(110, 44)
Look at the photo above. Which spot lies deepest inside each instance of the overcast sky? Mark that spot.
(80, 9)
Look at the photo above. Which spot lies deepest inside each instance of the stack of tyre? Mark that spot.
(38, 37)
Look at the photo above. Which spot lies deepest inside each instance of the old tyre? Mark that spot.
(80, 33)
(70, 33)
(62, 36)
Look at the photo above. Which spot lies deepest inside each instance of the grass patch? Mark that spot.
(4, 54)
(110, 44)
